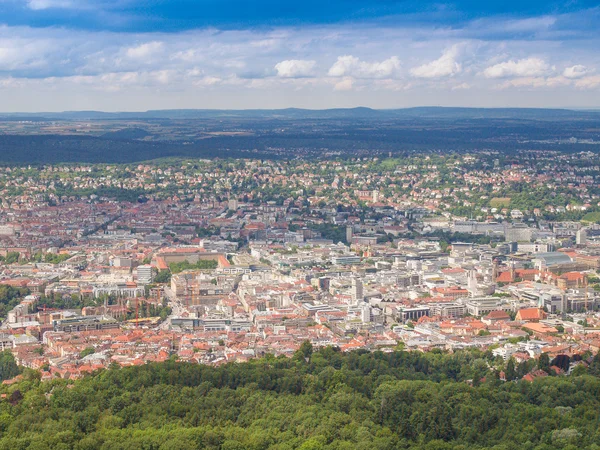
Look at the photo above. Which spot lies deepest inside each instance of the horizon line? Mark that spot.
(560, 108)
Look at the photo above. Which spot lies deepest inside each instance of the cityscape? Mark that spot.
(221, 261)
(267, 225)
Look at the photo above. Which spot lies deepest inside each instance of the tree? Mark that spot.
(305, 350)
(544, 362)
(510, 370)
(87, 351)
(164, 276)
(594, 367)
(8, 366)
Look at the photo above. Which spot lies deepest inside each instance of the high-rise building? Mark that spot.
(145, 275)
(365, 313)
(349, 234)
(357, 291)
(581, 237)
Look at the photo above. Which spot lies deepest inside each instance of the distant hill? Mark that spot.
(297, 113)
(127, 133)
(289, 133)
(51, 149)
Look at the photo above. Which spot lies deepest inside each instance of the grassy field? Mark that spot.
(500, 202)
(591, 217)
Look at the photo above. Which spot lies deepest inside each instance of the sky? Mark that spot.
(134, 55)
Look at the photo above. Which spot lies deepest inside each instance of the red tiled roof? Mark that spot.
(530, 314)
(497, 315)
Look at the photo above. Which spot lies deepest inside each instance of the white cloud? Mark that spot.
(226, 65)
(576, 71)
(535, 82)
(146, 50)
(344, 85)
(295, 68)
(588, 82)
(19, 54)
(445, 66)
(528, 67)
(47, 4)
(208, 81)
(349, 65)
(460, 87)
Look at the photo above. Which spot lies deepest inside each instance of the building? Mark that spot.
(531, 315)
(479, 306)
(535, 247)
(349, 234)
(357, 291)
(6, 341)
(122, 262)
(408, 280)
(571, 280)
(145, 274)
(85, 323)
(495, 316)
(551, 259)
(450, 309)
(581, 237)
(345, 260)
(413, 314)
(518, 232)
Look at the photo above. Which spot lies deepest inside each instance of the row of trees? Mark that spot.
(177, 267)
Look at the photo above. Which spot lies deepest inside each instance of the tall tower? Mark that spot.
(472, 282)
(365, 313)
(357, 291)
(349, 234)
(581, 237)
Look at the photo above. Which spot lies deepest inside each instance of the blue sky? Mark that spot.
(132, 55)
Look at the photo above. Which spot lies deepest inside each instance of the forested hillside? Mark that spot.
(321, 400)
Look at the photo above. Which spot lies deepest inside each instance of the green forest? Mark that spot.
(324, 399)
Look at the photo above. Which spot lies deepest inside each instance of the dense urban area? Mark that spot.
(416, 300)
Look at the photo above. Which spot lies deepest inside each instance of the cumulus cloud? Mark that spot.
(213, 62)
(445, 66)
(527, 67)
(345, 84)
(576, 71)
(349, 65)
(588, 82)
(535, 82)
(145, 50)
(295, 68)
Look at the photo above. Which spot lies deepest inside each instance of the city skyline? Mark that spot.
(58, 55)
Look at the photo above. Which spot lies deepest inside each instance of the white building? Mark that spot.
(145, 274)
